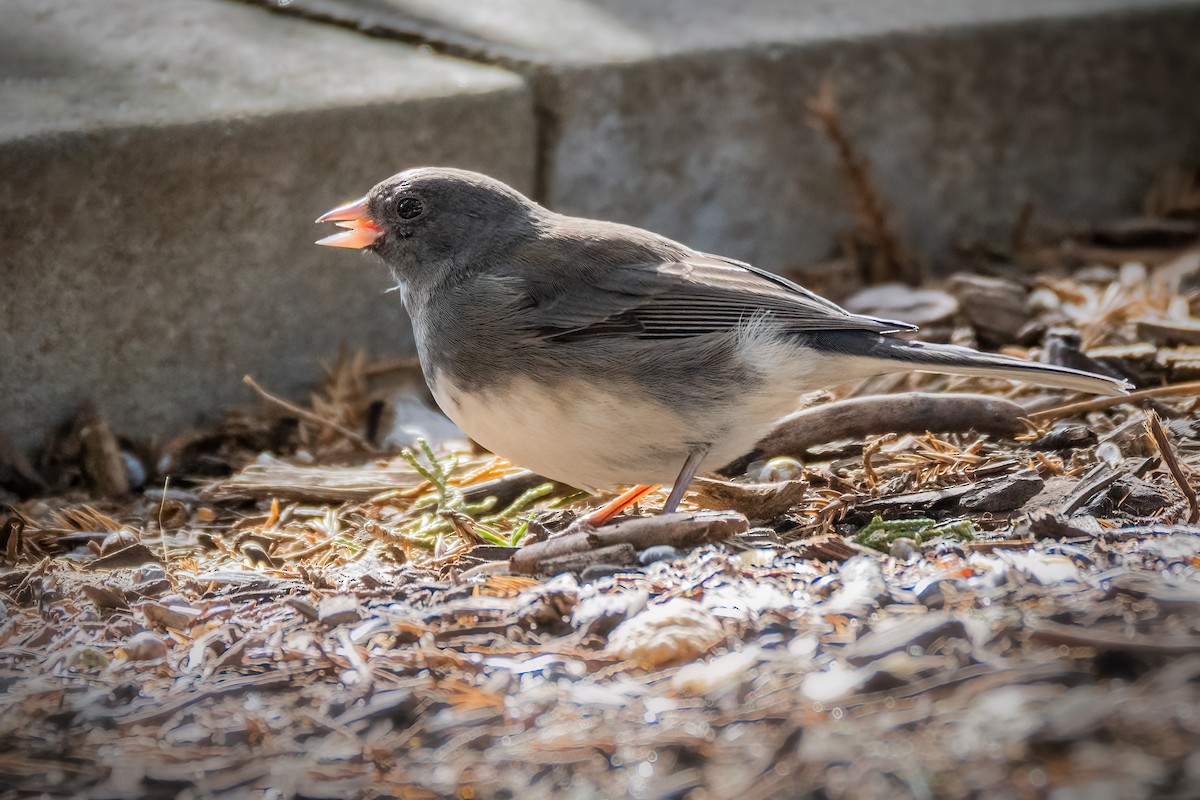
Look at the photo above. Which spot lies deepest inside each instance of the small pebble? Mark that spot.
(254, 552)
(149, 572)
(659, 552)
(145, 646)
(905, 549)
(1110, 454)
(779, 469)
(89, 658)
(135, 471)
(929, 593)
(116, 541)
(595, 572)
(673, 632)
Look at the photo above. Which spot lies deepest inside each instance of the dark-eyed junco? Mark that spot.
(599, 354)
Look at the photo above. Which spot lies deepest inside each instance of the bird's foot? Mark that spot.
(588, 523)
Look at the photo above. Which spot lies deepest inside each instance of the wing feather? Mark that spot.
(693, 296)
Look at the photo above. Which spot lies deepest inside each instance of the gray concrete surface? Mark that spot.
(687, 116)
(160, 167)
(160, 162)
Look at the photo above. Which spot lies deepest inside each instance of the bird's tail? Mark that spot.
(953, 360)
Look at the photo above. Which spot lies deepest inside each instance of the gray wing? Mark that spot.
(690, 297)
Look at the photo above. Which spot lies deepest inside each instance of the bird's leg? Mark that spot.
(604, 515)
(685, 478)
(618, 504)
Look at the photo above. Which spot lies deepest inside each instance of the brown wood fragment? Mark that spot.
(998, 309)
(1098, 479)
(179, 618)
(10, 538)
(1176, 470)
(678, 530)
(830, 547)
(912, 412)
(1047, 523)
(338, 609)
(153, 712)
(133, 555)
(758, 501)
(999, 493)
(619, 555)
(1169, 332)
(1171, 595)
(100, 453)
(492, 552)
(1149, 231)
(1078, 636)
(1004, 493)
(303, 608)
(103, 597)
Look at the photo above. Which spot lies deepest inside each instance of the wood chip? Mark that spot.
(338, 609)
(1079, 636)
(617, 555)
(677, 530)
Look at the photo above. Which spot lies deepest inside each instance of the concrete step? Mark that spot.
(162, 161)
(162, 166)
(688, 116)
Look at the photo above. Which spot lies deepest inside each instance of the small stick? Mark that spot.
(303, 413)
(913, 412)
(677, 530)
(1155, 428)
(1101, 403)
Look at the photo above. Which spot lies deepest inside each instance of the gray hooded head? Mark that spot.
(435, 221)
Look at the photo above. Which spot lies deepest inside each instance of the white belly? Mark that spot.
(596, 440)
(575, 433)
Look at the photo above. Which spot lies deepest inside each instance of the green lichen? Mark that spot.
(879, 533)
(427, 527)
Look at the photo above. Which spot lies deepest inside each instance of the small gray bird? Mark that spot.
(599, 354)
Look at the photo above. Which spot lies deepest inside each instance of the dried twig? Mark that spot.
(890, 260)
(677, 530)
(914, 412)
(1101, 403)
(1056, 633)
(305, 414)
(101, 453)
(1163, 443)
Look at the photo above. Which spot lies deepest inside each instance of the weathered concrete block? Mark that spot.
(688, 116)
(962, 126)
(160, 167)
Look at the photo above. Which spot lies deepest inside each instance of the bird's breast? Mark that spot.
(572, 431)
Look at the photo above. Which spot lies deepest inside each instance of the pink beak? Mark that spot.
(355, 216)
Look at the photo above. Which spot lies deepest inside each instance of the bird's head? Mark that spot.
(433, 218)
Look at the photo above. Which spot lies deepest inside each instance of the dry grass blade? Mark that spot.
(1178, 474)
(1101, 403)
(317, 483)
(890, 259)
(354, 438)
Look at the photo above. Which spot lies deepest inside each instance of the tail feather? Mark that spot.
(953, 360)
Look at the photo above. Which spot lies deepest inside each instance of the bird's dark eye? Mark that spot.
(409, 208)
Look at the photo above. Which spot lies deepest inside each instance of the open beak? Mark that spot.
(354, 216)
